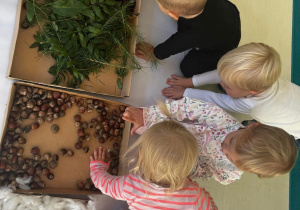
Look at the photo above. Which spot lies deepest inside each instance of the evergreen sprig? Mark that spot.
(84, 36)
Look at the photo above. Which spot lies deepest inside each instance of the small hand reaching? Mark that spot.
(99, 155)
(135, 116)
(175, 92)
(180, 81)
(144, 51)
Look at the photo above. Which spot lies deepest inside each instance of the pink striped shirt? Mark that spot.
(139, 195)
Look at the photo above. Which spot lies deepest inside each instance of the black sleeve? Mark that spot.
(175, 44)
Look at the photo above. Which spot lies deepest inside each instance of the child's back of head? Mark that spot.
(167, 153)
(266, 151)
(254, 66)
(183, 7)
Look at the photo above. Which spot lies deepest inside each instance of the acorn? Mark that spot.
(22, 91)
(18, 130)
(38, 169)
(36, 178)
(39, 102)
(49, 119)
(79, 102)
(56, 95)
(40, 120)
(87, 137)
(33, 115)
(62, 113)
(55, 116)
(41, 113)
(20, 151)
(53, 164)
(80, 185)
(72, 99)
(54, 128)
(41, 184)
(12, 150)
(63, 95)
(11, 126)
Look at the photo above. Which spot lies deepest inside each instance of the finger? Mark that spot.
(175, 77)
(95, 154)
(134, 128)
(103, 154)
(100, 153)
(91, 158)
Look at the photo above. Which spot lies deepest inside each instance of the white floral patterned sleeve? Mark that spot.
(210, 124)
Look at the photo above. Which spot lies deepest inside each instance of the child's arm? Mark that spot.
(241, 105)
(210, 77)
(108, 184)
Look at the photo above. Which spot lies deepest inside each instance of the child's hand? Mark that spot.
(175, 92)
(135, 116)
(144, 51)
(98, 155)
(180, 81)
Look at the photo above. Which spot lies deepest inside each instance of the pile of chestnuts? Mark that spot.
(45, 106)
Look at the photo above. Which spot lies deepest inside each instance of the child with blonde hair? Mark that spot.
(249, 74)
(166, 155)
(226, 148)
(208, 29)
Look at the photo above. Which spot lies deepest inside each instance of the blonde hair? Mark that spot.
(266, 151)
(253, 66)
(183, 7)
(167, 152)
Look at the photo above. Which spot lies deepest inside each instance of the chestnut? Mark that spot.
(35, 150)
(54, 128)
(56, 95)
(77, 118)
(35, 126)
(53, 164)
(80, 185)
(81, 132)
(21, 140)
(81, 109)
(31, 171)
(78, 145)
(36, 157)
(47, 156)
(70, 153)
(38, 169)
(45, 171)
(62, 152)
(50, 176)
(55, 157)
(44, 163)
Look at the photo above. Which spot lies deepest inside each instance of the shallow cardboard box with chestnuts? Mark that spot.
(49, 135)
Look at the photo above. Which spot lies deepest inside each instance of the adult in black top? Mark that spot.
(209, 35)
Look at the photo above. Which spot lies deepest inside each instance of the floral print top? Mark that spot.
(210, 124)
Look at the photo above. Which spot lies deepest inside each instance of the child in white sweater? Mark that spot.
(249, 74)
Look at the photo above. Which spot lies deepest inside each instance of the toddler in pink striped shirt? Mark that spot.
(167, 152)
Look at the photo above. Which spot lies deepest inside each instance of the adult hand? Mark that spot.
(180, 81)
(135, 116)
(175, 92)
(144, 51)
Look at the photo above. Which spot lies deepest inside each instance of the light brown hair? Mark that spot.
(167, 153)
(183, 7)
(253, 66)
(266, 151)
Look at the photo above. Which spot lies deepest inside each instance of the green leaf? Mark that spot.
(96, 53)
(68, 46)
(93, 1)
(98, 40)
(91, 35)
(64, 40)
(81, 77)
(105, 9)
(119, 83)
(34, 45)
(98, 12)
(110, 2)
(75, 73)
(82, 40)
(30, 13)
(90, 47)
(89, 13)
(93, 30)
(68, 8)
(97, 25)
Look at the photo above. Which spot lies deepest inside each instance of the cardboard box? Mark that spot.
(69, 169)
(27, 64)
